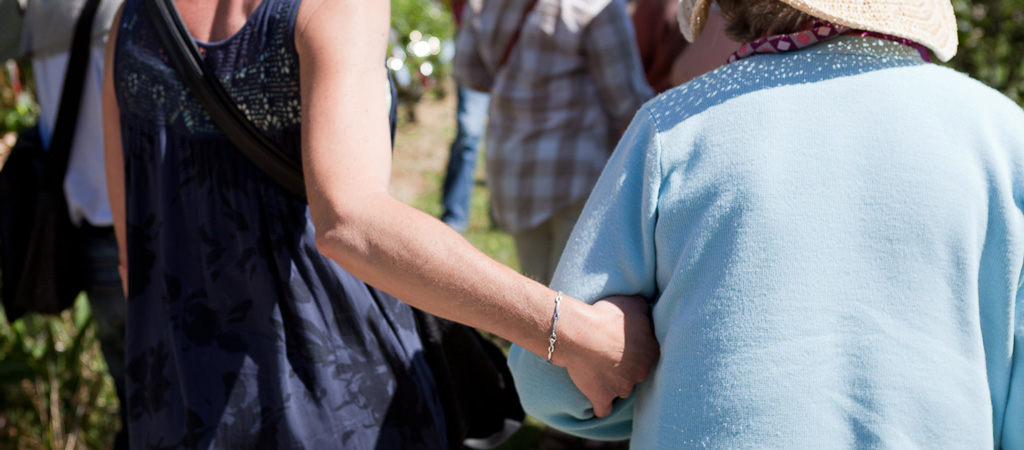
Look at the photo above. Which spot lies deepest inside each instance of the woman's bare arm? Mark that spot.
(114, 158)
(347, 162)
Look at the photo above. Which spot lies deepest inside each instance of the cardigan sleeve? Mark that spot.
(999, 312)
(611, 252)
(1013, 418)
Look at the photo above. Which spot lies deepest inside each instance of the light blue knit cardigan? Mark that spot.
(833, 242)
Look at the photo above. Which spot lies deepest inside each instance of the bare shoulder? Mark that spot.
(335, 21)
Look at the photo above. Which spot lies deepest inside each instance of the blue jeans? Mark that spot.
(471, 119)
(106, 299)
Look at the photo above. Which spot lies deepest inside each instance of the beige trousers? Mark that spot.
(540, 248)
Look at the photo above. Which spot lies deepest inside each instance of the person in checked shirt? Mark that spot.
(565, 78)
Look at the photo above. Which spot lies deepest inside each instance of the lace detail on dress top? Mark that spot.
(263, 49)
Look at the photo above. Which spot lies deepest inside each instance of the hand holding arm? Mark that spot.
(611, 252)
(403, 251)
(629, 350)
(593, 395)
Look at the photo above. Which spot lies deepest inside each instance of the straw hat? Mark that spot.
(927, 22)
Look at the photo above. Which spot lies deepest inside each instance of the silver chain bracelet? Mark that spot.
(554, 324)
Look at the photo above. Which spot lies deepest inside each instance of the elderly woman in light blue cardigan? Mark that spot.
(830, 231)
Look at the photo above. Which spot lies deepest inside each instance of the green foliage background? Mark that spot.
(18, 108)
(54, 390)
(429, 18)
(992, 44)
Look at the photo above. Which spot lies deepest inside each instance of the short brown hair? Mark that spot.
(753, 19)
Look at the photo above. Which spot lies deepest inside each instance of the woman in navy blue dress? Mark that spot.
(248, 326)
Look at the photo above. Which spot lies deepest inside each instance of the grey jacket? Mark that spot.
(39, 28)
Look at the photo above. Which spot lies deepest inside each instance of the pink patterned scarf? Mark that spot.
(812, 33)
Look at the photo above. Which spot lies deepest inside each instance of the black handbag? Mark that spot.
(470, 372)
(43, 253)
(472, 378)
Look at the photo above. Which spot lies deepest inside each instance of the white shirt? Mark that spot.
(85, 184)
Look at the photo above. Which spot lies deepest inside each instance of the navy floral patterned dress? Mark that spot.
(240, 334)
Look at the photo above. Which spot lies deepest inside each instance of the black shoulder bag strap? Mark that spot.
(285, 170)
(70, 99)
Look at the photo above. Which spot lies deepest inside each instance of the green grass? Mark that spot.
(54, 389)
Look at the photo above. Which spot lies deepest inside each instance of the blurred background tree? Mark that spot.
(18, 108)
(992, 44)
(420, 50)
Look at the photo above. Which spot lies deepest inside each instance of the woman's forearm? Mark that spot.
(607, 347)
(423, 262)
